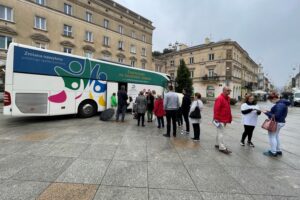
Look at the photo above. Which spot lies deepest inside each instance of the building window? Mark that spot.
(67, 30)
(143, 65)
(106, 41)
(6, 13)
(120, 60)
(133, 34)
(172, 63)
(211, 56)
(40, 23)
(191, 60)
(144, 38)
(121, 29)
(132, 64)
(41, 2)
(192, 74)
(67, 50)
(88, 16)
(5, 41)
(88, 36)
(40, 45)
(132, 49)
(143, 51)
(88, 54)
(121, 45)
(105, 23)
(106, 57)
(211, 73)
(68, 9)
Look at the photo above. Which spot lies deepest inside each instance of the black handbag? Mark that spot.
(196, 114)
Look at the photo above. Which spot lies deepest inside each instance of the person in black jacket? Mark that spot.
(185, 109)
(122, 103)
(150, 106)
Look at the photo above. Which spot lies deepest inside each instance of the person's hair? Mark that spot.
(123, 87)
(114, 93)
(170, 87)
(198, 95)
(159, 96)
(247, 97)
(141, 93)
(273, 95)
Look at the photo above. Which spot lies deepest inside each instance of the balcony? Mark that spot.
(207, 78)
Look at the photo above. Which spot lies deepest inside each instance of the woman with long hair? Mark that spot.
(278, 112)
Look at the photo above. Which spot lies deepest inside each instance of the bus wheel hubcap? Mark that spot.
(87, 108)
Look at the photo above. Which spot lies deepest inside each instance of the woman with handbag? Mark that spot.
(278, 113)
(250, 113)
(195, 115)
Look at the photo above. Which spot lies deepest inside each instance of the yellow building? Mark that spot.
(99, 29)
(213, 65)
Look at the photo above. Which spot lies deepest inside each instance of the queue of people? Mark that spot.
(190, 111)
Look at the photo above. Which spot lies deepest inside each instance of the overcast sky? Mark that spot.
(269, 30)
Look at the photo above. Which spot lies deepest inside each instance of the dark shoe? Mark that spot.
(158, 127)
(270, 154)
(225, 151)
(242, 143)
(196, 139)
(174, 135)
(217, 146)
(138, 125)
(166, 135)
(279, 153)
(143, 125)
(250, 144)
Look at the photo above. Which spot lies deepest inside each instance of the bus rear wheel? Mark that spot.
(87, 109)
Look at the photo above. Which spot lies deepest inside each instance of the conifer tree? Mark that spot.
(183, 79)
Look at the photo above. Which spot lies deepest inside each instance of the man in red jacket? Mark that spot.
(222, 117)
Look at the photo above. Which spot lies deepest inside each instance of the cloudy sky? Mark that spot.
(268, 29)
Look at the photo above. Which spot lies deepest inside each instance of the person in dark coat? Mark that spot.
(122, 103)
(141, 104)
(150, 106)
(185, 109)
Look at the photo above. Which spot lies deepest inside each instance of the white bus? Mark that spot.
(41, 82)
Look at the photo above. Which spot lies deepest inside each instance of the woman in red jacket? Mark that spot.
(159, 111)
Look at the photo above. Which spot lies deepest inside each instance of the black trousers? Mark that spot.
(160, 121)
(196, 128)
(187, 121)
(179, 117)
(139, 116)
(248, 131)
(171, 115)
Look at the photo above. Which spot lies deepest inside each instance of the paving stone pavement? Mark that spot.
(61, 158)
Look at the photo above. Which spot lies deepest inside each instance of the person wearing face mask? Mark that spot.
(279, 112)
(250, 113)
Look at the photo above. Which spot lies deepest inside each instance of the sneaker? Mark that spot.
(242, 143)
(279, 153)
(166, 135)
(225, 151)
(250, 144)
(196, 139)
(270, 154)
(217, 146)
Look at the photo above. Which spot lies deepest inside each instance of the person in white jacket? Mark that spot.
(196, 121)
(250, 113)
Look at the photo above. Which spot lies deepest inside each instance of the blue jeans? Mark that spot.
(274, 138)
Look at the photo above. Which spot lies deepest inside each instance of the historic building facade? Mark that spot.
(99, 29)
(213, 65)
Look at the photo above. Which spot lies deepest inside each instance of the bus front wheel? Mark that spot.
(87, 109)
